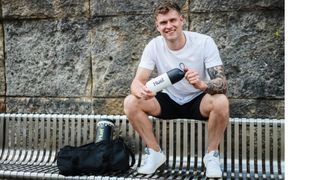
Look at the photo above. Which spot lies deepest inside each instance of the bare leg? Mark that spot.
(216, 107)
(137, 111)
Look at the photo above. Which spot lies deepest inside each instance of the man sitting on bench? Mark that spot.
(201, 94)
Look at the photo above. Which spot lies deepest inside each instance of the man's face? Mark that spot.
(170, 25)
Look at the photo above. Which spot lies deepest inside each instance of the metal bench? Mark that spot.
(251, 148)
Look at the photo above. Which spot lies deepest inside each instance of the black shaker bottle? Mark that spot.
(104, 130)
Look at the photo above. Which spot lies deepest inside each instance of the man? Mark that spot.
(199, 95)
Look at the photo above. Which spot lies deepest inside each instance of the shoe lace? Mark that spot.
(146, 156)
(214, 160)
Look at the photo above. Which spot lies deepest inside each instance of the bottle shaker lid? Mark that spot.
(105, 121)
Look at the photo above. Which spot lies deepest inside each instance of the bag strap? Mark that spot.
(133, 159)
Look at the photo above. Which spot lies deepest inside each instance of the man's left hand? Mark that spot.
(194, 79)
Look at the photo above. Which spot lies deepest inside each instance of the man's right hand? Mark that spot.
(141, 91)
(138, 87)
(147, 93)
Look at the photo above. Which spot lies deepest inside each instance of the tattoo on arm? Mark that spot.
(218, 82)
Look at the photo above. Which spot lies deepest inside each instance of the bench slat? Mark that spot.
(236, 138)
(228, 153)
(244, 149)
(282, 136)
(200, 148)
(259, 148)
(267, 150)
(275, 150)
(172, 148)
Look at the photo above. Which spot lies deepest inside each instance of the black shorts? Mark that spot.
(172, 110)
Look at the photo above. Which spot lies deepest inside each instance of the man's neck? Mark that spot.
(177, 44)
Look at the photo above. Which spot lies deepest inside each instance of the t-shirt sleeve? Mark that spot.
(211, 54)
(147, 59)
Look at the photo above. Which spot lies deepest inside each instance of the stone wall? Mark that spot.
(81, 56)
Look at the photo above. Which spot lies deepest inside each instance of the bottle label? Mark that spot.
(158, 83)
(104, 131)
(100, 133)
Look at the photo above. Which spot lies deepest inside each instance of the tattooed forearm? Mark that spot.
(218, 82)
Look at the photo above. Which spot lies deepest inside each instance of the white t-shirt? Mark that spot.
(199, 53)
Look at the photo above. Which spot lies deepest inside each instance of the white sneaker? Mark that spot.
(152, 161)
(212, 162)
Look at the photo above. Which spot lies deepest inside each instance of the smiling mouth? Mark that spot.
(170, 32)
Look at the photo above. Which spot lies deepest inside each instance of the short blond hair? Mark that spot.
(164, 7)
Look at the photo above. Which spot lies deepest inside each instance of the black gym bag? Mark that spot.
(95, 158)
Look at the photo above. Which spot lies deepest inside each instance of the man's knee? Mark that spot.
(130, 104)
(221, 101)
(220, 104)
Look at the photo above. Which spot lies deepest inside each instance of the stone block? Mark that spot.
(48, 58)
(251, 46)
(117, 44)
(257, 108)
(112, 106)
(27, 9)
(234, 5)
(116, 7)
(49, 105)
(2, 66)
(2, 79)
(2, 105)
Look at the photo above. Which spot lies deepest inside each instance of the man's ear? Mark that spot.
(181, 18)
(156, 24)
